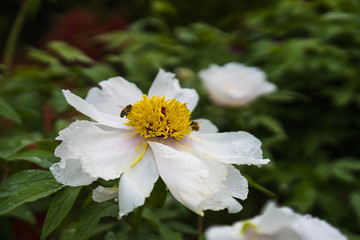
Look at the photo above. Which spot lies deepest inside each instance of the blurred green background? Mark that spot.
(309, 127)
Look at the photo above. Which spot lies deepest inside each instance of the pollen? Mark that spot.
(157, 117)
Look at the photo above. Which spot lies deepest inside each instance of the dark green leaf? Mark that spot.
(23, 180)
(42, 158)
(154, 220)
(58, 101)
(26, 186)
(68, 52)
(182, 227)
(99, 72)
(268, 122)
(304, 197)
(285, 96)
(158, 195)
(355, 202)
(91, 217)
(167, 233)
(7, 111)
(24, 213)
(43, 57)
(59, 208)
(343, 169)
(11, 144)
(106, 227)
(332, 206)
(68, 232)
(33, 6)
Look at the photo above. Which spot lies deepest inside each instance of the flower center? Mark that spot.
(157, 117)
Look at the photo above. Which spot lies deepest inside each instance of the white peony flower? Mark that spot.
(235, 84)
(276, 224)
(154, 137)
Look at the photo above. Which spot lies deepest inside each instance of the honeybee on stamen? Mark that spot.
(126, 111)
(194, 126)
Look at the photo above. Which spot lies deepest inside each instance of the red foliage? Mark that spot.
(78, 27)
(5, 123)
(25, 231)
(48, 117)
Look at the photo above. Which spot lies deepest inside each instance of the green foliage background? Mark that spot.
(309, 127)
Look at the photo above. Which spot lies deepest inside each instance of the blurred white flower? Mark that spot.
(154, 137)
(235, 84)
(276, 223)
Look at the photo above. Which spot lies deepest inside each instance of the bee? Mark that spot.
(194, 126)
(126, 111)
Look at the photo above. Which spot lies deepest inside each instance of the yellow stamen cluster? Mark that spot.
(157, 117)
(247, 228)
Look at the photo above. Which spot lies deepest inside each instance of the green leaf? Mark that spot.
(33, 7)
(285, 96)
(167, 233)
(182, 227)
(99, 72)
(61, 124)
(68, 232)
(11, 144)
(40, 157)
(91, 217)
(106, 227)
(23, 180)
(158, 194)
(355, 202)
(268, 122)
(154, 220)
(59, 208)
(7, 111)
(58, 101)
(332, 207)
(24, 213)
(43, 57)
(304, 197)
(343, 169)
(26, 186)
(163, 7)
(68, 52)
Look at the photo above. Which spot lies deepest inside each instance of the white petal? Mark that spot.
(165, 84)
(274, 219)
(102, 194)
(104, 154)
(91, 111)
(137, 183)
(235, 84)
(206, 126)
(221, 201)
(224, 232)
(277, 224)
(116, 93)
(235, 185)
(283, 221)
(230, 147)
(316, 229)
(189, 179)
(69, 171)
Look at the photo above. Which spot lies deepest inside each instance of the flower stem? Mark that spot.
(200, 226)
(5, 174)
(137, 218)
(14, 35)
(259, 187)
